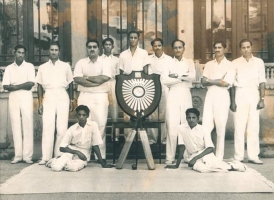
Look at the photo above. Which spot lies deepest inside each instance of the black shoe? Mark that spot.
(104, 161)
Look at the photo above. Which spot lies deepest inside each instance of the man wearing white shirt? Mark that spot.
(218, 76)
(108, 45)
(133, 59)
(159, 64)
(78, 143)
(19, 77)
(181, 72)
(247, 99)
(196, 148)
(55, 77)
(91, 74)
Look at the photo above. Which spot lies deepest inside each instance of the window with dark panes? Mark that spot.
(11, 28)
(115, 18)
(34, 23)
(231, 21)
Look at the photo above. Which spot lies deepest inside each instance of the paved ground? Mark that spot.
(7, 170)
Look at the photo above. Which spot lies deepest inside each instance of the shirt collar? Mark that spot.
(223, 60)
(162, 56)
(183, 58)
(89, 60)
(137, 49)
(57, 62)
(87, 123)
(252, 58)
(23, 63)
(105, 56)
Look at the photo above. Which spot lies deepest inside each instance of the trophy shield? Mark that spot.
(138, 92)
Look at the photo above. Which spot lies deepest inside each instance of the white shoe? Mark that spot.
(257, 161)
(237, 166)
(42, 162)
(15, 161)
(170, 162)
(28, 161)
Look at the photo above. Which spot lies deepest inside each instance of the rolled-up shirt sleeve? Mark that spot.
(78, 72)
(261, 72)
(66, 141)
(96, 136)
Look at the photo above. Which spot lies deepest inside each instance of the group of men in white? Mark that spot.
(237, 85)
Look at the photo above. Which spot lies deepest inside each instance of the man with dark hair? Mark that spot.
(77, 144)
(182, 72)
(218, 76)
(133, 59)
(108, 45)
(196, 148)
(54, 77)
(159, 64)
(19, 77)
(92, 74)
(247, 99)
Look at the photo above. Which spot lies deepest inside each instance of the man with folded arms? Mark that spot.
(19, 77)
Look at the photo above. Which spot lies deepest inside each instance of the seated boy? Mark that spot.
(77, 144)
(197, 148)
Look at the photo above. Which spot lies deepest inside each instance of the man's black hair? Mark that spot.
(20, 46)
(177, 40)
(108, 40)
(219, 42)
(84, 108)
(245, 40)
(57, 44)
(194, 111)
(130, 32)
(92, 40)
(156, 40)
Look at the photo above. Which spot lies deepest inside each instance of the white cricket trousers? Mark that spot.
(55, 110)
(98, 105)
(113, 104)
(21, 107)
(216, 108)
(178, 101)
(246, 121)
(159, 113)
(68, 162)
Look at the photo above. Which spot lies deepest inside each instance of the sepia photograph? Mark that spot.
(136, 99)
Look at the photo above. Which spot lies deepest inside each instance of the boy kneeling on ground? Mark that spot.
(197, 148)
(77, 144)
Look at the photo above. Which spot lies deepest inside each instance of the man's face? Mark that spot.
(82, 117)
(158, 48)
(107, 47)
(54, 52)
(178, 49)
(19, 54)
(133, 39)
(246, 49)
(93, 49)
(192, 120)
(219, 50)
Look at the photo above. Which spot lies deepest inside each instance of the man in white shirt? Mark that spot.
(181, 73)
(133, 59)
(159, 64)
(55, 77)
(19, 77)
(218, 76)
(108, 45)
(77, 144)
(196, 148)
(91, 74)
(247, 99)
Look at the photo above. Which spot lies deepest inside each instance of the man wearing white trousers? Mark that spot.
(78, 143)
(19, 77)
(182, 71)
(54, 77)
(247, 101)
(91, 74)
(159, 64)
(108, 45)
(218, 76)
